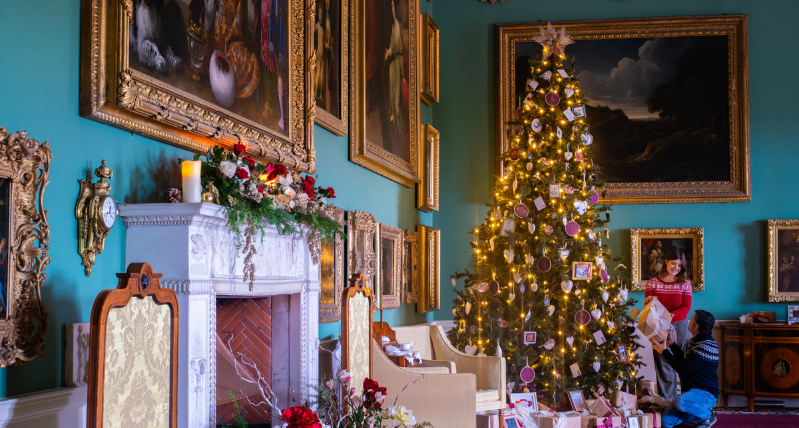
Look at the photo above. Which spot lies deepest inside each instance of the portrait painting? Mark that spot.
(386, 260)
(5, 222)
(530, 399)
(331, 275)
(651, 246)
(577, 400)
(330, 45)
(666, 103)
(390, 257)
(783, 260)
(384, 121)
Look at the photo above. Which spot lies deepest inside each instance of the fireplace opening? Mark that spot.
(244, 344)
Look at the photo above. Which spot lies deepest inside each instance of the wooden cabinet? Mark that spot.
(760, 360)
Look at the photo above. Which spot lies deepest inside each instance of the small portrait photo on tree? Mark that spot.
(581, 270)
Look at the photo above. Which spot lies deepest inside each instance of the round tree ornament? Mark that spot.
(593, 197)
(527, 374)
(494, 287)
(514, 153)
(521, 210)
(544, 264)
(552, 98)
(582, 317)
(572, 228)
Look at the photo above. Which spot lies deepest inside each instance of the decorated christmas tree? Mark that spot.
(542, 295)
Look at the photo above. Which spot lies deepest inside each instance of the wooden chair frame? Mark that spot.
(357, 285)
(130, 285)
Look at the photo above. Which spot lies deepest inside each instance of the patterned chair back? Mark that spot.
(133, 375)
(356, 331)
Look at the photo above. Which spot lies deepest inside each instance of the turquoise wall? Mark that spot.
(735, 234)
(40, 43)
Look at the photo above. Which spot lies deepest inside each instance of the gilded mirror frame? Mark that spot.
(112, 92)
(331, 312)
(361, 224)
(26, 163)
(393, 299)
(366, 153)
(696, 234)
(338, 125)
(410, 268)
(734, 27)
(429, 269)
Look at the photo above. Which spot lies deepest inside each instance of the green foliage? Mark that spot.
(527, 298)
(238, 417)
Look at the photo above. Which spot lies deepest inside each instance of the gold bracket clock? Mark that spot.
(96, 212)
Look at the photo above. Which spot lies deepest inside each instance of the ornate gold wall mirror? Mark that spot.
(24, 242)
(363, 239)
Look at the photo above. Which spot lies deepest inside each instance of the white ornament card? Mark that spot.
(599, 337)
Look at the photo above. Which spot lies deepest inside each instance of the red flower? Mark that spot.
(300, 417)
(309, 178)
(370, 388)
(239, 149)
(275, 169)
(260, 189)
(242, 173)
(248, 160)
(330, 193)
(307, 185)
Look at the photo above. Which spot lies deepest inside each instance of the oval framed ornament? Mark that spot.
(572, 228)
(593, 197)
(521, 210)
(582, 317)
(527, 374)
(544, 264)
(494, 287)
(552, 98)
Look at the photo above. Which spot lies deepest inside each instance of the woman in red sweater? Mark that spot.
(673, 290)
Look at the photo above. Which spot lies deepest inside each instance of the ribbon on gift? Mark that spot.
(607, 422)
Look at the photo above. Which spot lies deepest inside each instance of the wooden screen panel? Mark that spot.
(247, 323)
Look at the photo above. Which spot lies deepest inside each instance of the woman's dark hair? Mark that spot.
(674, 255)
(705, 321)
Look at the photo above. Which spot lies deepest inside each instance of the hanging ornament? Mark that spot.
(593, 197)
(527, 374)
(517, 278)
(603, 274)
(536, 126)
(611, 324)
(514, 153)
(554, 41)
(529, 166)
(499, 350)
(521, 210)
(596, 313)
(502, 323)
(597, 366)
(522, 288)
(544, 264)
(566, 285)
(531, 227)
(494, 287)
(552, 98)
(454, 281)
(512, 296)
(481, 287)
(515, 184)
(551, 310)
(623, 294)
(546, 75)
(509, 255)
(529, 259)
(631, 329)
(577, 292)
(491, 243)
(579, 156)
(534, 287)
(581, 207)
(468, 307)
(570, 340)
(600, 261)
(572, 228)
(469, 349)
(548, 230)
(587, 139)
(564, 253)
(605, 295)
(568, 155)
(559, 133)
(546, 299)
(569, 92)
(549, 344)
(568, 189)
(582, 317)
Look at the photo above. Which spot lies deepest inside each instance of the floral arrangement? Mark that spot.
(256, 194)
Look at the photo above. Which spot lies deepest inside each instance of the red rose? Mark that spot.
(300, 417)
(275, 169)
(330, 193)
(242, 173)
(260, 189)
(370, 388)
(307, 188)
(239, 149)
(248, 160)
(310, 179)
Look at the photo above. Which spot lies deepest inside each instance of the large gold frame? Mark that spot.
(429, 269)
(410, 268)
(735, 27)
(27, 164)
(395, 234)
(696, 233)
(361, 221)
(327, 120)
(773, 264)
(427, 189)
(112, 92)
(430, 58)
(363, 152)
(332, 312)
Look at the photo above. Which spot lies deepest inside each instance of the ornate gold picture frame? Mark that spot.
(384, 113)
(363, 240)
(650, 247)
(331, 75)
(193, 78)
(390, 260)
(410, 268)
(429, 269)
(427, 189)
(430, 58)
(331, 275)
(24, 243)
(731, 178)
(783, 260)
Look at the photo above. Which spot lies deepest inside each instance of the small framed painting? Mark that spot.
(581, 271)
(651, 246)
(577, 400)
(622, 351)
(427, 188)
(783, 260)
(528, 398)
(510, 421)
(529, 337)
(390, 259)
(430, 42)
(331, 275)
(429, 269)
(410, 268)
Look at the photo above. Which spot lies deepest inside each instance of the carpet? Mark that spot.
(738, 420)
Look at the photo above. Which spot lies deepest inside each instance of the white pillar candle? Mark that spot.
(191, 181)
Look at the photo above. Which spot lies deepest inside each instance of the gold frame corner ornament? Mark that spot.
(695, 233)
(410, 268)
(427, 190)
(363, 152)
(429, 269)
(331, 312)
(734, 27)
(430, 61)
(26, 163)
(325, 119)
(397, 236)
(113, 93)
(774, 225)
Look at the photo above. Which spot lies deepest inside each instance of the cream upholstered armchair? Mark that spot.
(455, 385)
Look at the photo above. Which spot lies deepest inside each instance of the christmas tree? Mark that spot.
(541, 295)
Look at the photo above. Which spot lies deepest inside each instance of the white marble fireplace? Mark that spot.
(193, 247)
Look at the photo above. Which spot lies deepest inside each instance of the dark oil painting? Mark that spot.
(658, 108)
(5, 221)
(654, 250)
(327, 44)
(232, 53)
(387, 76)
(387, 265)
(787, 260)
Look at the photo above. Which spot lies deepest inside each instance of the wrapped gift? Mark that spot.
(488, 420)
(623, 400)
(602, 407)
(653, 420)
(765, 316)
(646, 387)
(560, 421)
(593, 421)
(655, 322)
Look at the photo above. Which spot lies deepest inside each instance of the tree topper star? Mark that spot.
(553, 41)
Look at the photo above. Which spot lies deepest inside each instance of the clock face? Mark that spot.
(108, 213)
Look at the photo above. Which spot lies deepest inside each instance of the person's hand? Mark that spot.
(648, 299)
(669, 339)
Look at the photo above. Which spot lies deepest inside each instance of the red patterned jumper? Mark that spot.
(675, 296)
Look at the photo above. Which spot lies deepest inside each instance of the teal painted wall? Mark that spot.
(40, 43)
(735, 234)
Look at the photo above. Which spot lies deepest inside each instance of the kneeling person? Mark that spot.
(697, 367)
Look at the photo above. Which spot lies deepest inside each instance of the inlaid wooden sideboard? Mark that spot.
(760, 360)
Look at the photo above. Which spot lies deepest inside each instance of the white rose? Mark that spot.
(289, 192)
(227, 168)
(285, 180)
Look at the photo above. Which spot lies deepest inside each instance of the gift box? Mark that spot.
(654, 420)
(569, 421)
(601, 407)
(746, 319)
(593, 421)
(637, 421)
(488, 421)
(765, 316)
(646, 387)
(623, 400)
(654, 323)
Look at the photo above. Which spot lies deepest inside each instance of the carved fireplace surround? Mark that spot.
(193, 247)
